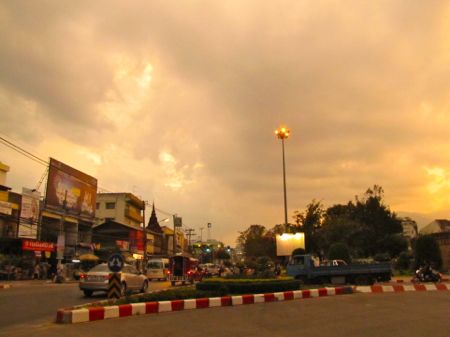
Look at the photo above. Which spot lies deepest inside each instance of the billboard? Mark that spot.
(29, 213)
(286, 243)
(72, 188)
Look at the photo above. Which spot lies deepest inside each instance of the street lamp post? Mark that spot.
(283, 133)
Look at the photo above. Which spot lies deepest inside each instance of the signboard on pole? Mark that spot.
(115, 263)
(29, 213)
(177, 221)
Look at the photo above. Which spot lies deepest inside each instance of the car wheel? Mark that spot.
(87, 293)
(144, 287)
(123, 289)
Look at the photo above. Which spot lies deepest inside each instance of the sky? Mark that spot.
(177, 102)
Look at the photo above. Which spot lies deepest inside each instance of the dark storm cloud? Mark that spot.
(363, 87)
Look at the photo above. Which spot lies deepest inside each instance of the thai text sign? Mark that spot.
(38, 246)
(70, 189)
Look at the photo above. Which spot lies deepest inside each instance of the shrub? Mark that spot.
(248, 286)
(382, 257)
(298, 251)
(339, 251)
(402, 262)
(427, 251)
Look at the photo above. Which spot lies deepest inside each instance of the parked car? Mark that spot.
(97, 279)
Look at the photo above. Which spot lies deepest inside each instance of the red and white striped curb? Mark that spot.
(402, 288)
(5, 286)
(124, 310)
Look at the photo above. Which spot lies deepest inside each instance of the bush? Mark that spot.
(339, 251)
(248, 286)
(298, 251)
(382, 257)
(402, 262)
(427, 251)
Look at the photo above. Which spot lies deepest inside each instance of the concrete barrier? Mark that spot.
(77, 315)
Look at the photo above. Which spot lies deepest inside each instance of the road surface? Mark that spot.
(390, 314)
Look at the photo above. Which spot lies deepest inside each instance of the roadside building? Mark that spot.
(119, 218)
(113, 237)
(440, 230)
(181, 242)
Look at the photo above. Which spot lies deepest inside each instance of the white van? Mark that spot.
(158, 268)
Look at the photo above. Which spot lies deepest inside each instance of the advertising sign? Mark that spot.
(29, 213)
(286, 243)
(70, 189)
(38, 246)
(5, 207)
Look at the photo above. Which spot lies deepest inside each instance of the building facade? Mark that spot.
(440, 230)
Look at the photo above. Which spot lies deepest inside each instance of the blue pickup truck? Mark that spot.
(302, 267)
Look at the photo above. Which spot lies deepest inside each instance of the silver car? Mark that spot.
(97, 279)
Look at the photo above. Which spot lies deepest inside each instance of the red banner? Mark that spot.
(136, 240)
(38, 246)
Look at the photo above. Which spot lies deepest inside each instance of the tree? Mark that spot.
(366, 225)
(339, 251)
(222, 254)
(427, 251)
(257, 241)
(309, 222)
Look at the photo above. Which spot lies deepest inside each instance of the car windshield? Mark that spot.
(154, 265)
(100, 268)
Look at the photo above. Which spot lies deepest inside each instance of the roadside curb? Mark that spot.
(401, 288)
(100, 313)
(5, 286)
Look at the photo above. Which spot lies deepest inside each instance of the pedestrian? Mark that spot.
(44, 273)
(37, 272)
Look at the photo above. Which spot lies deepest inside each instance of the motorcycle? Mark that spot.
(426, 274)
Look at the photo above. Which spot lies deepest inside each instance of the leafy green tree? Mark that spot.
(222, 254)
(309, 222)
(366, 225)
(257, 241)
(427, 251)
(339, 251)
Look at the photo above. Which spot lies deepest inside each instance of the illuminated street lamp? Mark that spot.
(283, 133)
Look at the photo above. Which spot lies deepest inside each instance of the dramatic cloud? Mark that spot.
(177, 101)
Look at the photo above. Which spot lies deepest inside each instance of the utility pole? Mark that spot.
(189, 232)
(61, 236)
(209, 230)
(201, 234)
(144, 267)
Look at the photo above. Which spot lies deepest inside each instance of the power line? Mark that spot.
(23, 152)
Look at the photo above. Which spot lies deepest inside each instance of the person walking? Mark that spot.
(37, 272)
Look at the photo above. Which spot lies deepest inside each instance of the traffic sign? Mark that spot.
(115, 263)
(114, 285)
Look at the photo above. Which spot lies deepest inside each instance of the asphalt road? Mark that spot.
(31, 303)
(390, 314)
